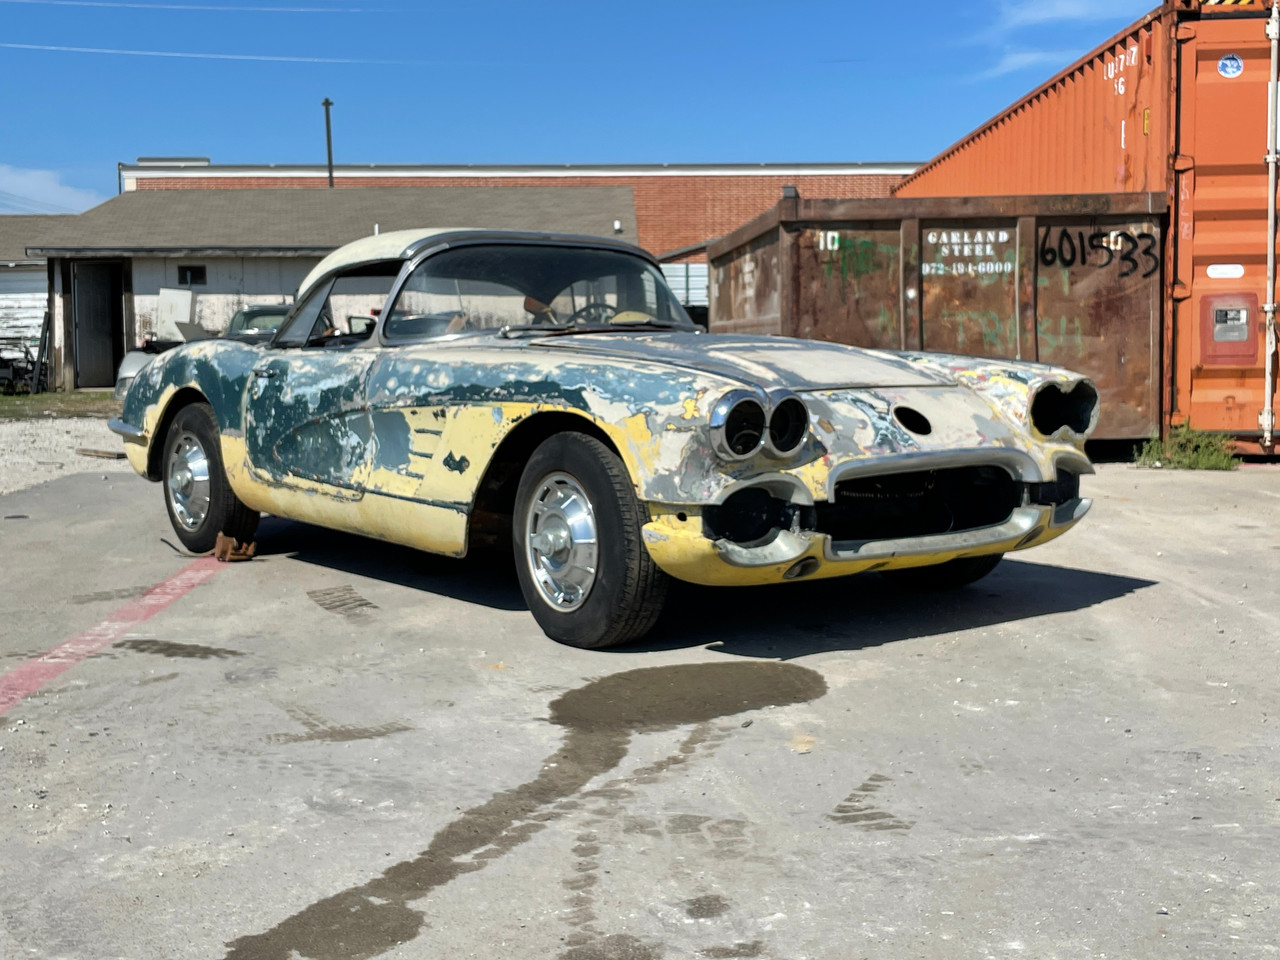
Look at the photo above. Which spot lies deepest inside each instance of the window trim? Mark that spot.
(412, 263)
(323, 287)
(326, 284)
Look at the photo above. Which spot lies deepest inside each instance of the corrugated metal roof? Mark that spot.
(21, 230)
(249, 222)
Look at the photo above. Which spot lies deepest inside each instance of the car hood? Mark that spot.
(767, 362)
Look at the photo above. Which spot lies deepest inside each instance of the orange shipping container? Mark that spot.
(1177, 103)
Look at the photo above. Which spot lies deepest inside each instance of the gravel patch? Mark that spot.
(36, 451)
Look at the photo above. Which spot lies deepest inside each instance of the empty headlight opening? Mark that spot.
(752, 517)
(1052, 408)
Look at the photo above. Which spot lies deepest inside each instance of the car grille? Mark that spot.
(919, 504)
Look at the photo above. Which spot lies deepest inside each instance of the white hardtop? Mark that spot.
(381, 246)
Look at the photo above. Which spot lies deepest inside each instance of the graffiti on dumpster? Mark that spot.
(1061, 339)
(1131, 253)
(852, 255)
(996, 333)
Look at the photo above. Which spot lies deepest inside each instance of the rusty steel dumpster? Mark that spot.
(1069, 280)
(1179, 102)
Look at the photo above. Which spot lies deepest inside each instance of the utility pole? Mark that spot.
(328, 137)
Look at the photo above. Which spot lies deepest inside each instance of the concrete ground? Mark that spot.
(345, 750)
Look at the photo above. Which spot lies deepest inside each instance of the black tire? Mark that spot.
(198, 528)
(626, 590)
(944, 576)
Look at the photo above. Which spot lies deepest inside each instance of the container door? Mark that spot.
(1098, 299)
(1222, 240)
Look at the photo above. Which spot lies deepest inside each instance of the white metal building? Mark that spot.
(24, 281)
(236, 248)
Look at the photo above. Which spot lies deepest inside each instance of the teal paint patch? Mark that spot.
(418, 381)
(391, 450)
(328, 451)
(308, 418)
(456, 464)
(514, 391)
(219, 370)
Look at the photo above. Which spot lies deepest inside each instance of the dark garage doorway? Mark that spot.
(97, 304)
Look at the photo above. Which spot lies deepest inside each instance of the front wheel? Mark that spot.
(584, 570)
(200, 502)
(944, 576)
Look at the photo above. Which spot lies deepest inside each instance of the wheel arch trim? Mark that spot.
(181, 398)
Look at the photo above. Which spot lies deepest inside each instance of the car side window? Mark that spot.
(342, 311)
(435, 306)
(298, 331)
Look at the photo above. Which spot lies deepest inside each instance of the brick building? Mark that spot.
(679, 207)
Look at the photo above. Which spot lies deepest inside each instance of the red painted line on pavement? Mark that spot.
(21, 682)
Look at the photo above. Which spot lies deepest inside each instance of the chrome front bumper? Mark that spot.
(130, 433)
(1025, 525)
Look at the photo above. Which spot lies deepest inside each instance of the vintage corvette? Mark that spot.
(441, 389)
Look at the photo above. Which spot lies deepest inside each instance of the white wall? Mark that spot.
(24, 295)
(232, 283)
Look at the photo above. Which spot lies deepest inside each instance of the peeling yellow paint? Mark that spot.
(422, 526)
(137, 457)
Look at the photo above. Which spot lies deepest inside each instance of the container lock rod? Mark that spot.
(1267, 418)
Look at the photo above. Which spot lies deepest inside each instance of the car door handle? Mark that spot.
(262, 372)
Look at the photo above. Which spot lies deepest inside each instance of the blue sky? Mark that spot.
(88, 83)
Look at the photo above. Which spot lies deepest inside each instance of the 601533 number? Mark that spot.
(1135, 252)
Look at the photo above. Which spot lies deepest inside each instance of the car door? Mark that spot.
(307, 424)
(433, 425)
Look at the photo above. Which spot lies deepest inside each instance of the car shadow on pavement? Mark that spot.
(487, 578)
(851, 613)
(784, 621)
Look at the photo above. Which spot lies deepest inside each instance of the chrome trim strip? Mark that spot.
(784, 486)
(1074, 463)
(784, 547)
(130, 433)
(776, 397)
(1021, 465)
(720, 416)
(1065, 514)
(1023, 524)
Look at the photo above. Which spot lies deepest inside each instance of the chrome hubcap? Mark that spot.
(560, 542)
(187, 482)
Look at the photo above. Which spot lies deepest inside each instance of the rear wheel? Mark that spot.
(197, 495)
(583, 567)
(944, 576)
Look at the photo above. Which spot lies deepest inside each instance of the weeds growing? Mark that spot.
(1187, 449)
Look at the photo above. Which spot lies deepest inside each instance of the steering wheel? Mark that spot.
(598, 312)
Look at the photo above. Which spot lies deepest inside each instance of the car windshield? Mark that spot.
(256, 320)
(534, 287)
